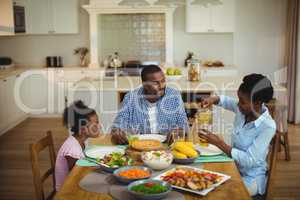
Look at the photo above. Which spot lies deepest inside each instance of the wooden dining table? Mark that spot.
(233, 189)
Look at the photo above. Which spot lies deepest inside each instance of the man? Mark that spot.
(151, 108)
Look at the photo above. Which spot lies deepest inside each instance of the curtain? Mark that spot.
(291, 56)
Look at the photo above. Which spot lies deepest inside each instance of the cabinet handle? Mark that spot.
(210, 30)
(51, 32)
(18, 75)
(4, 80)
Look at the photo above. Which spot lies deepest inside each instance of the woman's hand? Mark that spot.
(215, 140)
(209, 101)
(209, 137)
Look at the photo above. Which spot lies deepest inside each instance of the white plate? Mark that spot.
(158, 137)
(200, 192)
(210, 150)
(101, 151)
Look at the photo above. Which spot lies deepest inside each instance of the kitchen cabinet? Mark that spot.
(210, 18)
(3, 106)
(38, 84)
(6, 18)
(51, 16)
(11, 112)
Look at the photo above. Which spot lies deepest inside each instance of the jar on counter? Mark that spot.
(194, 71)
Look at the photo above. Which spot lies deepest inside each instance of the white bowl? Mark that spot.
(173, 77)
(157, 163)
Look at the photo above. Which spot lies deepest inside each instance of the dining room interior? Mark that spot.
(149, 99)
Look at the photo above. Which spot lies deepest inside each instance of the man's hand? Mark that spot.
(209, 101)
(118, 136)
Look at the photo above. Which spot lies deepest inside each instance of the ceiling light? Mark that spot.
(134, 3)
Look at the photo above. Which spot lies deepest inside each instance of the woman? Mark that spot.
(84, 124)
(253, 131)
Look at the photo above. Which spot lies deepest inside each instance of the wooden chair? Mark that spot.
(38, 180)
(272, 158)
(277, 111)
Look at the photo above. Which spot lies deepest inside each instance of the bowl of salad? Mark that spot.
(115, 160)
(157, 160)
(149, 189)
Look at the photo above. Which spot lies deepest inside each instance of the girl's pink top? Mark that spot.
(71, 148)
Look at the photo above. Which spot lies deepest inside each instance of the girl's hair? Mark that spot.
(76, 115)
(258, 87)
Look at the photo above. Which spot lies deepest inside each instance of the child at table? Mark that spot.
(84, 124)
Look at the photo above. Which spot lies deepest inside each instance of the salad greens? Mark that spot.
(149, 188)
(116, 159)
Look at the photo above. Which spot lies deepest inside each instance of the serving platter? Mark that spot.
(204, 192)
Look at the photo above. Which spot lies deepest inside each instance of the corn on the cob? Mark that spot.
(186, 150)
(177, 154)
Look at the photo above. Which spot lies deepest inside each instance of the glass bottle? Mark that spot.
(194, 71)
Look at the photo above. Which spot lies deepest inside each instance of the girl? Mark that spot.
(84, 124)
(253, 131)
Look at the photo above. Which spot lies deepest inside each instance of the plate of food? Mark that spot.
(158, 137)
(191, 179)
(129, 174)
(149, 189)
(115, 160)
(98, 152)
(208, 150)
(146, 145)
(184, 152)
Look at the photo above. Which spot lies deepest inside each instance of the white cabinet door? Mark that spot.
(3, 106)
(38, 93)
(9, 99)
(198, 18)
(210, 18)
(223, 16)
(65, 16)
(6, 18)
(38, 16)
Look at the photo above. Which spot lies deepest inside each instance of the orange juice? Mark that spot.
(204, 121)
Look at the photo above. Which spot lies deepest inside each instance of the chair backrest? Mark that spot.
(38, 179)
(272, 156)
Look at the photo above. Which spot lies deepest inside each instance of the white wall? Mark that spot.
(259, 37)
(257, 45)
(33, 49)
(205, 46)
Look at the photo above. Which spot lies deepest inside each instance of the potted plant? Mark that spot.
(82, 51)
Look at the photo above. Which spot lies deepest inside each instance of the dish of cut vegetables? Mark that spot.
(193, 179)
(116, 160)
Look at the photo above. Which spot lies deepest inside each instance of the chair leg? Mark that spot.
(286, 147)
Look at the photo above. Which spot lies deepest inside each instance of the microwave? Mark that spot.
(19, 19)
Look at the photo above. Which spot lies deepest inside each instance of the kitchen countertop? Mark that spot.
(216, 84)
(20, 69)
(212, 80)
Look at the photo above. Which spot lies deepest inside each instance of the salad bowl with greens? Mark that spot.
(113, 161)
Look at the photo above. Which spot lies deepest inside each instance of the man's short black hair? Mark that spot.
(149, 69)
